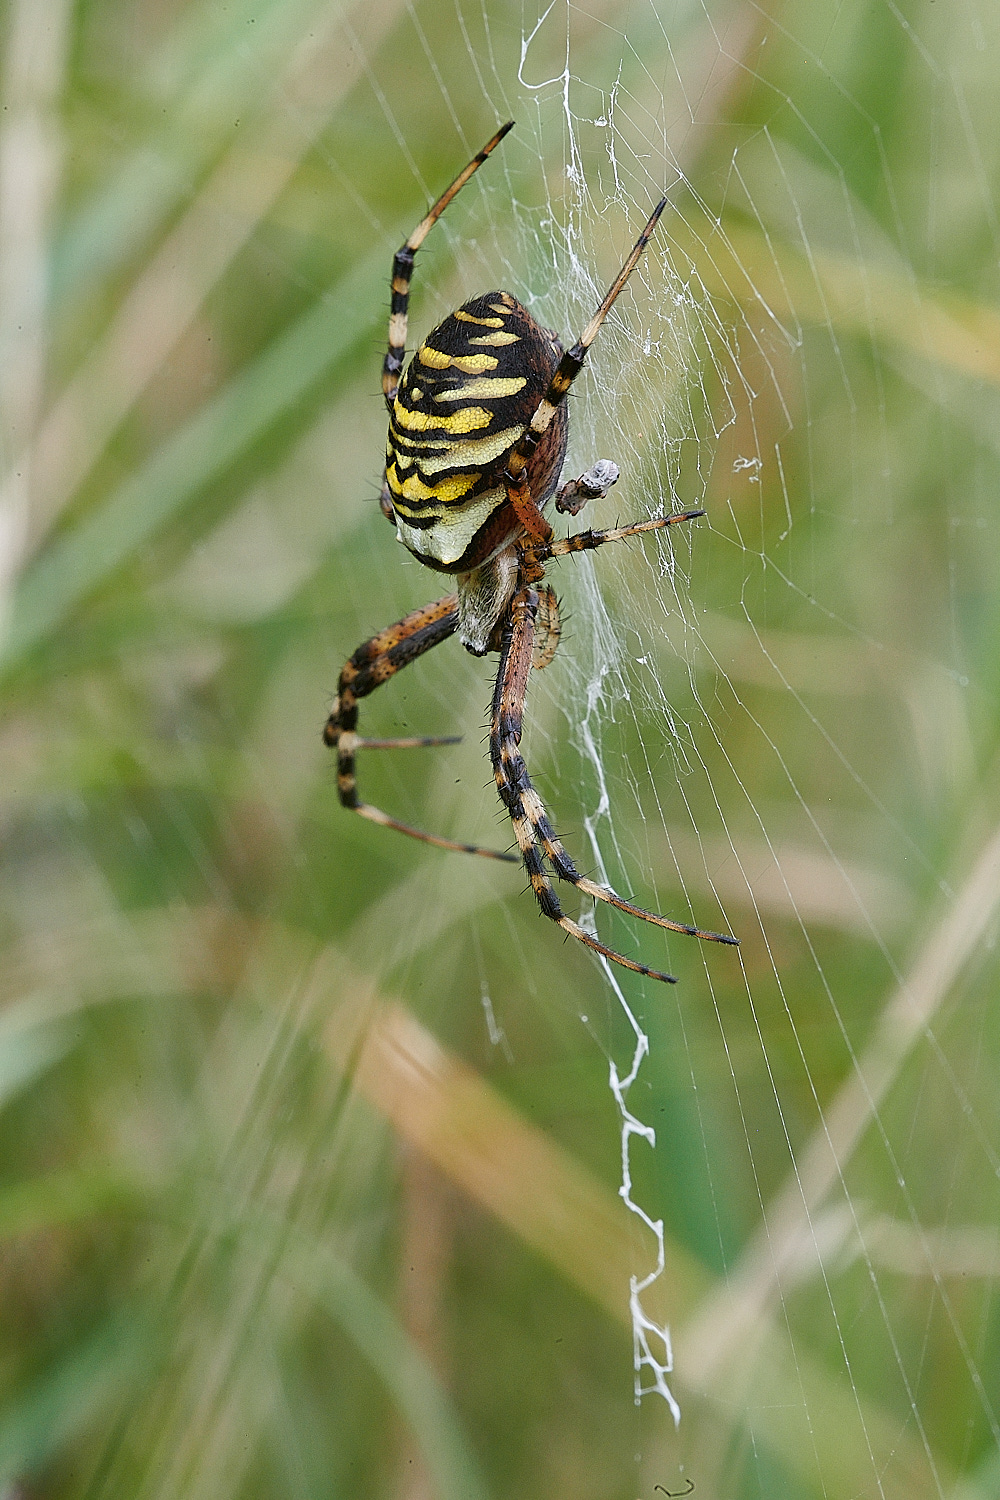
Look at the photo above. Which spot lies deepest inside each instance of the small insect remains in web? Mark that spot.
(478, 429)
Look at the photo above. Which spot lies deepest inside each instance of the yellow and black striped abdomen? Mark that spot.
(463, 402)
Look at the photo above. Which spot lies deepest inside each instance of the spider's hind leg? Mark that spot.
(371, 665)
(402, 270)
(573, 496)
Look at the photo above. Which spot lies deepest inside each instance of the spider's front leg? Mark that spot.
(532, 828)
(536, 838)
(372, 664)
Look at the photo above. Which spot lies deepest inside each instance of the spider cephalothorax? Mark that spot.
(477, 438)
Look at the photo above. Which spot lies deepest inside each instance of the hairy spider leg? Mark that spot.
(402, 270)
(587, 541)
(532, 559)
(569, 367)
(523, 804)
(372, 664)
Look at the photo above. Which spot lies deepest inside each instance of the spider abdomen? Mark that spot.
(464, 400)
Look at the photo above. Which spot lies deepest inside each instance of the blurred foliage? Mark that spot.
(283, 1212)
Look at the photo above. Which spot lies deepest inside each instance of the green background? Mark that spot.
(284, 1212)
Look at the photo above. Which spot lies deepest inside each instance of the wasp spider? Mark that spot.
(477, 437)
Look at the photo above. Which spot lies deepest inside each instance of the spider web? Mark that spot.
(777, 318)
(779, 721)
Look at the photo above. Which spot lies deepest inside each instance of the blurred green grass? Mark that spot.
(279, 1217)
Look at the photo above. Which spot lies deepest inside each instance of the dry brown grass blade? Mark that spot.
(878, 301)
(789, 1227)
(731, 1368)
(822, 1428)
(36, 43)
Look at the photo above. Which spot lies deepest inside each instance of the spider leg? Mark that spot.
(566, 870)
(371, 665)
(533, 557)
(569, 367)
(586, 541)
(402, 270)
(525, 807)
